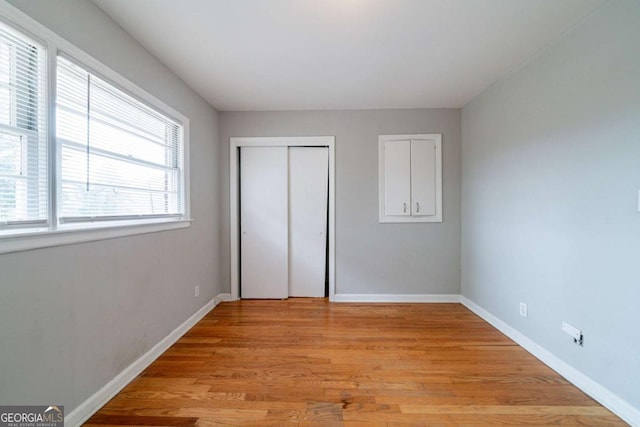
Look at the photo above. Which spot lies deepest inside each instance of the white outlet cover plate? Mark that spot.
(523, 309)
(571, 330)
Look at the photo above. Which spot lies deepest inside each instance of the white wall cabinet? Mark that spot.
(410, 178)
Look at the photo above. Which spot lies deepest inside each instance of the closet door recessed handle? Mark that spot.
(405, 207)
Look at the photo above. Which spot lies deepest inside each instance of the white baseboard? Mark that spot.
(90, 406)
(407, 298)
(222, 298)
(617, 405)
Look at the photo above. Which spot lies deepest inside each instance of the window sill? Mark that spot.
(68, 236)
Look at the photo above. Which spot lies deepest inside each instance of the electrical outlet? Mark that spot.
(523, 309)
(574, 332)
(196, 291)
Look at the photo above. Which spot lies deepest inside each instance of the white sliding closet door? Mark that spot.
(308, 197)
(264, 222)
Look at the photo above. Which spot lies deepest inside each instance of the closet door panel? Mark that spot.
(308, 195)
(264, 253)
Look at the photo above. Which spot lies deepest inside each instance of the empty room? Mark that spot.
(319, 212)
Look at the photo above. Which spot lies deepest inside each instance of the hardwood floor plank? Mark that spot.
(503, 410)
(162, 395)
(101, 419)
(307, 362)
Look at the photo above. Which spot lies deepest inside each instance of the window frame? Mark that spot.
(34, 143)
(64, 221)
(55, 233)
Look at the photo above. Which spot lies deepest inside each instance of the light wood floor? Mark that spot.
(307, 362)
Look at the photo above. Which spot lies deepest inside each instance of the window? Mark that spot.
(116, 163)
(23, 135)
(119, 159)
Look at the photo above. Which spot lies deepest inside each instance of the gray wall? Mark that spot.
(370, 257)
(73, 317)
(551, 173)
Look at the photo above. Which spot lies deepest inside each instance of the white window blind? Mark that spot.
(120, 159)
(23, 134)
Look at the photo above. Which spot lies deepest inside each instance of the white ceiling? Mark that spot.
(344, 54)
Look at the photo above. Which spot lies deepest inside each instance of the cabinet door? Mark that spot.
(423, 178)
(397, 178)
(264, 222)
